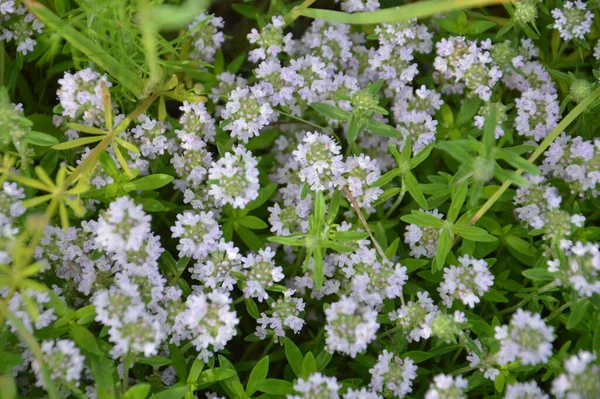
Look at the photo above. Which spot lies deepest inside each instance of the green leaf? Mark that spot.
(539, 274)
(323, 360)
(139, 391)
(477, 27)
(84, 339)
(264, 194)
(318, 270)
(331, 111)
(104, 376)
(354, 127)
(252, 308)
(459, 194)
(195, 370)
(517, 162)
(382, 129)
(395, 14)
(294, 356)
(443, 248)
(418, 356)
(467, 111)
(348, 235)
(248, 237)
(252, 222)
(386, 178)
(309, 365)
(275, 387)
(128, 79)
(175, 392)
(520, 248)
(420, 156)
(146, 183)
(178, 361)
(495, 296)
(215, 374)
(421, 218)
(578, 313)
(39, 138)
(473, 233)
(67, 145)
(258, 373)
(412, 186)
(232, 386)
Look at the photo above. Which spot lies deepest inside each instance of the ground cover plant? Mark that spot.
(352, 199)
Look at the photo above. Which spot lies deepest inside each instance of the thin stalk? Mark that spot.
(35, 348)
(294, 13)
(367, 228)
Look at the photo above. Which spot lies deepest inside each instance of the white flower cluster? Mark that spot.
(468, 64)
(392, 375)
(422, 241)
(350, 327)
(270, 41)
(416, 318)
(63, 360)
(11, 208)
(580, 379)
(149, 136)
(536, 200)
(234, 178)
(537, 113)
(207, 322)
(321, 165)
(447, 387)
(370, 280)
(261, 273)
(525, 390)
(359, 5)
(214, 269)
(80, 96)
(284, 315)
(526, 338)
(317, 386)
(573, 20)
(206, 37)
(467, 282)
(576, 161)
(19, 26)
(580, 270)
(198, 234)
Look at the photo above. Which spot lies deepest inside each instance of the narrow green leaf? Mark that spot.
(252, 222)
(146, 183)
(175, 392)
(294, 356)
(215, 374)
(578, 313)
(421, 218)
(382, 129)
(275, 387)
(258, 373)
(130, 80)
(354, 127)
(472, 233)
(396, 14)
(459, 194)
(386, 178)
(318, 271)
(443, 248)
(139, 391)
(331, 111)
(412, 185)
(41, 139)
(248, 237)
(517, 162)
(309, 365)
(76, 143)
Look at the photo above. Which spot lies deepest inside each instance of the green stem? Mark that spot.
(33, 345)
(557, 312)
(2, 62)
(564, 123)
(294, 13)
